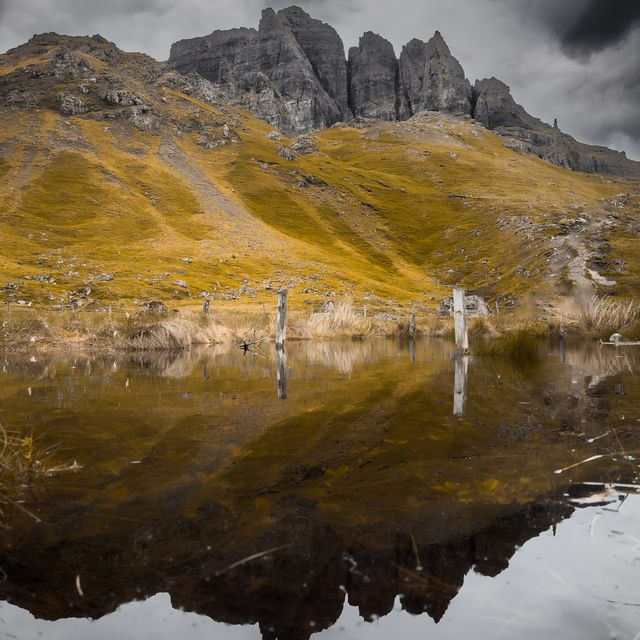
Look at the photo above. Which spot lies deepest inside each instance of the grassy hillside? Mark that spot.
(183, 197)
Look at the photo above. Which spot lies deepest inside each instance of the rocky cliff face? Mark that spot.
(297, 62)
(325, 51)
(291, 59)
(431, 79)
(495, 107)
(373, 78)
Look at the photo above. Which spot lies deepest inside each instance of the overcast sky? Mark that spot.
(577, 60)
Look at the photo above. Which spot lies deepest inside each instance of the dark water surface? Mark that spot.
(354, 490)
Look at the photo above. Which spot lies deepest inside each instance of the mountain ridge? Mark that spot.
(425, 77)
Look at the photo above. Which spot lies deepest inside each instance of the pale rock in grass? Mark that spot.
(304, 145)
(286, 153)
(70, 105)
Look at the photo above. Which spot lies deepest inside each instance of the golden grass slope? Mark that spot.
(394, 212)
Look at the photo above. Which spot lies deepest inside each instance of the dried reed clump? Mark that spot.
(144, 332)
(341, 320)
(606, 316)
(19, 330)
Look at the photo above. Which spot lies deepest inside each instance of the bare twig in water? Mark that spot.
(416, 553)
(255, 556)
(592, 440)
(246, 344)
(78, 587)
(577, 464)
(6, 498)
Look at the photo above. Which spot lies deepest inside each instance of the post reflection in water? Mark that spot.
(461, 368)
(361, 493)
(281, 374)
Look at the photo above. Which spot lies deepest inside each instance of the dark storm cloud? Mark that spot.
(583, 27)
(600, 25)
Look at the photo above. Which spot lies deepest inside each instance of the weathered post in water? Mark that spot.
(412, 321)
(281, 328)
(460, 321)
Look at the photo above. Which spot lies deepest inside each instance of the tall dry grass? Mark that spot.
(606, 316)
(343, 319)
(144, 332)
(19, 330)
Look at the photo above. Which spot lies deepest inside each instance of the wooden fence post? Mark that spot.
(281, 329)
(460, 321)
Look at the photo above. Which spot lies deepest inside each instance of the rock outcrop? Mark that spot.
(373, 78)
(431, 79)
(271, 62)
(495, 107)
(67, 82)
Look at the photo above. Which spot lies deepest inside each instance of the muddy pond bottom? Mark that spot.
(339, 490)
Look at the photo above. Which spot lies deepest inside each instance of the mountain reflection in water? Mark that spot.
(359, 490)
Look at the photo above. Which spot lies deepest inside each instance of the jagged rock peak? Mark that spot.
(269, 21)
(373, 78)
(496, 109)
(325, 51)
(438, 42)
(430, 78)
(495, 106)
(278, 56)
(273, 65)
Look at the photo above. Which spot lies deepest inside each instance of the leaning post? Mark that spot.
(460, 321)
(281, 328)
